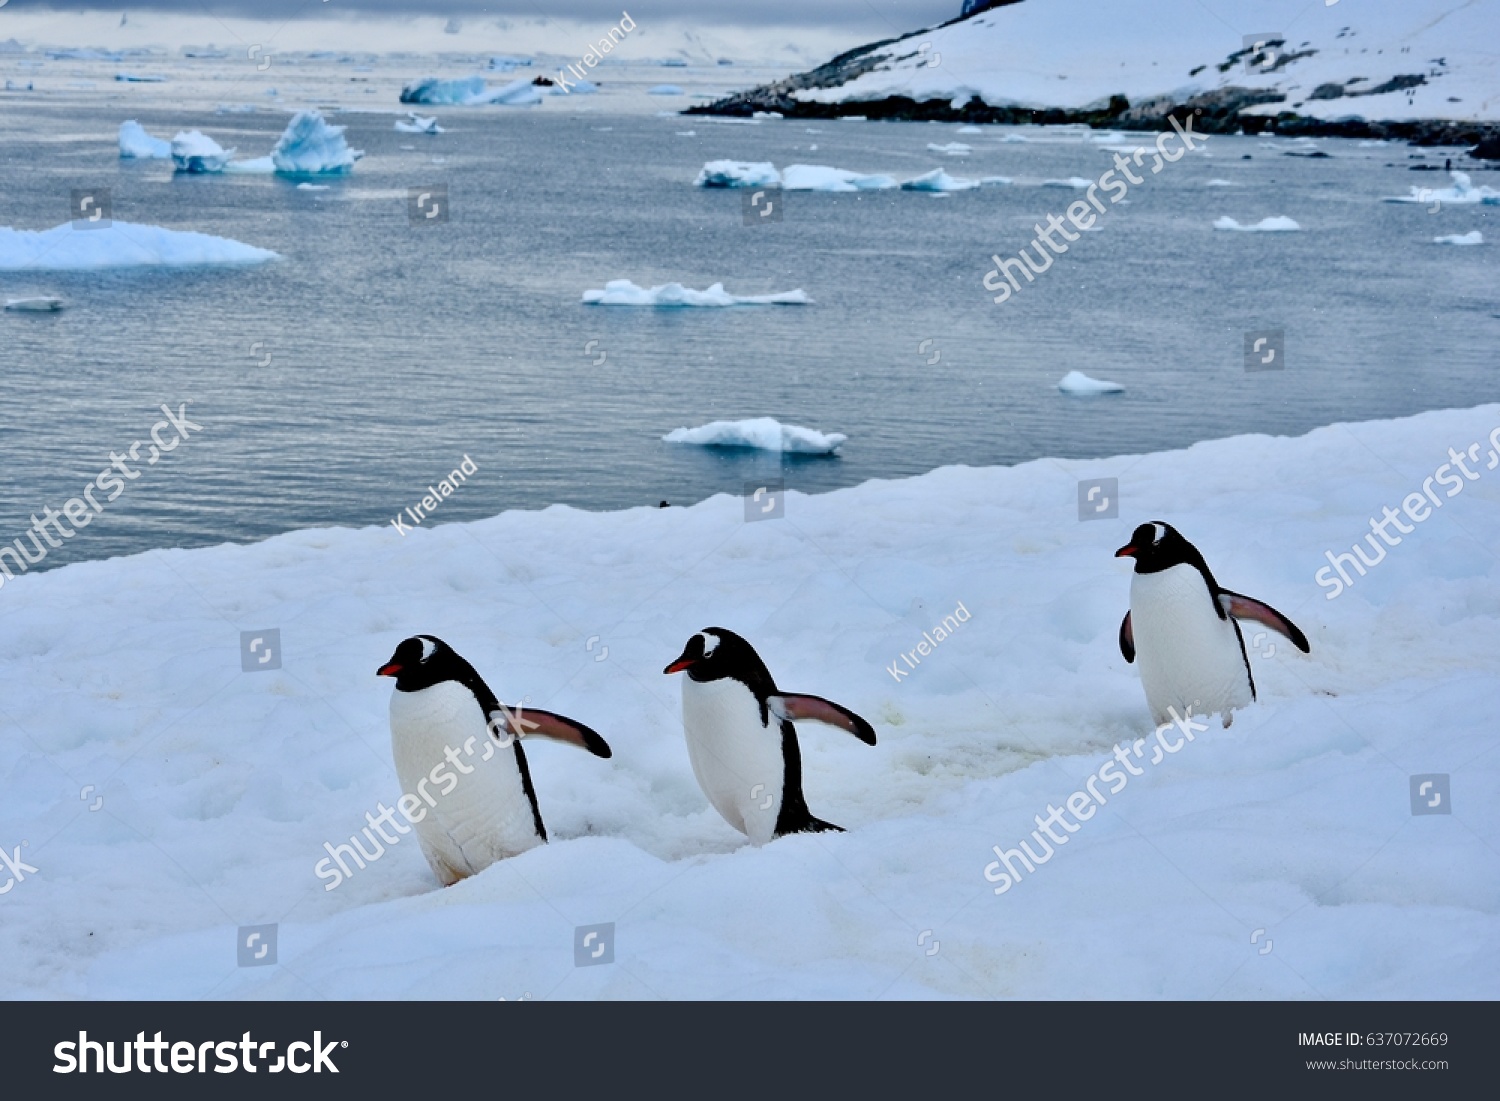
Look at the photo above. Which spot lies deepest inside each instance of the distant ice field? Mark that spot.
(336, 383)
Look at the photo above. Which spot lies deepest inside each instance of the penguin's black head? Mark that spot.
(1158, 546)
(715, 653)
(422, 661)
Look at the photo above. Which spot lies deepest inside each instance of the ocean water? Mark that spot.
(335, 385)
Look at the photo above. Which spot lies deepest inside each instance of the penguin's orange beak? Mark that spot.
(388, 670)
(1127, 551)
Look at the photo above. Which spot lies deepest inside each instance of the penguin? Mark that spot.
(1186, 629)
(741, 740)
(483, 808)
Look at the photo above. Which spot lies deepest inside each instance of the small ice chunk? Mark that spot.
(1279, 224)
(1072, 181)
(41, 303)
(305, 186)
(196, 152)
(310, 146)
(938, 180)
(1220, 183)
(969, 130)
(952, 148)
(417, 124)
(664, 90)
(759, 434)
(1076, 382)
(817, 177)
(622, 292)
(140, 78)
(470, 91)
(738, 174)
(136, 143)
(1473, 237)
(1463, 191)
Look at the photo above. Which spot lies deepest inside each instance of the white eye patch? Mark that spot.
(428, 648)
(710, 643)
(1161, 533)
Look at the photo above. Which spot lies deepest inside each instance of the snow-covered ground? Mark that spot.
(1078, 53)
(166, 798)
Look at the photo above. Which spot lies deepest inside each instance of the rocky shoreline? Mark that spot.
(1221, 111)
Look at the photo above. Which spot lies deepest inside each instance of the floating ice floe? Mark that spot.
(738, 174)
(1474, 237)
(1279, 224)
(470, 92)
(119, 245)
(236, 109)
(1072, 181)
(196, 152)
(952, 148)
(1220, 183)
(817, 177)
(1462, 191)
(938, 180)
(1076, 382)
(503, 63)
(140, 78)
(969, 130)
(417, 124)
(759, 434)
(622, 292)
(40, 303)
(135, 143)
(309, 146)
(311, 187)
(664, 90)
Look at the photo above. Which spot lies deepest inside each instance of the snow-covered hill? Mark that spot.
(165, 797)
(1130, 61)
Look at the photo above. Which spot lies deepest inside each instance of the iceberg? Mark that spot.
(817, 177)
(119, 245)
(469, 92)
(41, 303)
(1278, 224)
(622, 292)
(1472, 238)
(311, 147)
(938, 180)
(416, 124)
(135, 143)
(952, 148)
(664, 90)
(738, 174)
(195, 152)
(759, 434)
(1076, 382)
(1462, 191)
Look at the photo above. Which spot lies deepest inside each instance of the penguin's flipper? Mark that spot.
(1127, 639)
(1244, 607)
(791, 706)
(529, 722)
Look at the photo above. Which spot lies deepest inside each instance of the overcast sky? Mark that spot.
(879, 16)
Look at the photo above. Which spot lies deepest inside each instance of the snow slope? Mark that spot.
(1075, 53)
(1277, 859)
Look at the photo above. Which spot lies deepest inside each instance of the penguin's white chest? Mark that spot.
(477, 811)
(736, 758)
(1188, 656)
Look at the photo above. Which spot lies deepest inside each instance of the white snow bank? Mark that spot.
(1473, 237)
(118, 245)
(952, 148)
(938, 180)
(1278, 224)
(136, 143)
(1462, 191)
(196, 152)
(40, 303)
(622, 292)
(759, 434)
(738, 174)
(470, 92)
(310, 146)
(664, 90)
(817, 177)
(1076, 382)
(417, 124)
(221, 788)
